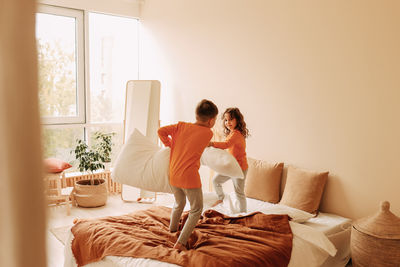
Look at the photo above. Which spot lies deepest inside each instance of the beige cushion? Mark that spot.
(304, 189)
(263, 180)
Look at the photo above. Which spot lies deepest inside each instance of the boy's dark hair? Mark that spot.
(206, 110)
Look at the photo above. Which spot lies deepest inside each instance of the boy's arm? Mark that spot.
(165, 132)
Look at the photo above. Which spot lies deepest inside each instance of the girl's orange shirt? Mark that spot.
(236, 145)
(187, 142)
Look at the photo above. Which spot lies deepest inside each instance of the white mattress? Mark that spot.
(321, 241)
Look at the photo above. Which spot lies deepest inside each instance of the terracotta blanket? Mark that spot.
(218, 240)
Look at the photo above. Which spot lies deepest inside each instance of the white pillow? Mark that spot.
(222, 162)
(143, 164)
(297, 215)
(254, 205)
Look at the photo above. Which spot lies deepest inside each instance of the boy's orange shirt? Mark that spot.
(187, 142)
(236, 145)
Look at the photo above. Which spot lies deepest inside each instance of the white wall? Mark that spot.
(317, 81)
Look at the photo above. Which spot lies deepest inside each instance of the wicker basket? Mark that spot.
(375, 240)
(91, 193)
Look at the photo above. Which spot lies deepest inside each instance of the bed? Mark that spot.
(287, 233)
(318, 241)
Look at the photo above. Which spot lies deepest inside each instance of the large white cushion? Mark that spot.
(222, 162)
(144, 165)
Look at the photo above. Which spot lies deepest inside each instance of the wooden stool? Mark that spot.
(56, 190)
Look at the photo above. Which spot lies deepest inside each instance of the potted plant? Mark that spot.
(104, 147)
(92, 192)
(89, 160)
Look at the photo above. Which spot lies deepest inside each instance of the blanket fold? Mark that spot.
(218, 240)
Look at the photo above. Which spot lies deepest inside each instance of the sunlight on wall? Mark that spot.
(318, 90)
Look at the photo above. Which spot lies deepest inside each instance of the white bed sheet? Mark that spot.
(314, 242)
(338, 230)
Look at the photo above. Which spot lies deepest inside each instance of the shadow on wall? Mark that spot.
(334, 199)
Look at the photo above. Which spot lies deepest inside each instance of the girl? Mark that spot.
(236, 132)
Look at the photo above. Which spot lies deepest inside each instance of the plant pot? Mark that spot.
(90, 195)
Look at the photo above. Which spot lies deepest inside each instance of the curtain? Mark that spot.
(22, 208)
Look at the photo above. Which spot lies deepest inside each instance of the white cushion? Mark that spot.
(297, 215)
(145, 165)
(254, 205)
(222, 162)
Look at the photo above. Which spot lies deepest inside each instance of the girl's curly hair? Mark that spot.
(241, 124)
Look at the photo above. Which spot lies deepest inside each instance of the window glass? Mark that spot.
(117, 138)
(59, 142)
(113, 53)
(56, 45)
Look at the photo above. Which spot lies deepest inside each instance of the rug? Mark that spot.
(61, 233)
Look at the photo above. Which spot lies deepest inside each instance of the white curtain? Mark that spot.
(22, 209)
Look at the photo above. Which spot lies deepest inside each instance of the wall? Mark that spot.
(129, 8)
(317, 81)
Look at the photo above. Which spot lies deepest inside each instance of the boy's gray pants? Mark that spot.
(195, 197)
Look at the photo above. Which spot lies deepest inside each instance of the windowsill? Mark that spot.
(78, 173)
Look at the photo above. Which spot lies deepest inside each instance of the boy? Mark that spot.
(187, 142)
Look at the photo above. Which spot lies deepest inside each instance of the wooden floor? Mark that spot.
(115, 206)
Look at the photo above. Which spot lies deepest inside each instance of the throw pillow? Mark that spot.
(54, 165)
(263, 180)
(304, 189)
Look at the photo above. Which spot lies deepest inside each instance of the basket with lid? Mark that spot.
(375, 240)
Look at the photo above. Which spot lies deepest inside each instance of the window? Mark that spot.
(85, 60)
(113, 52)
(59, 34)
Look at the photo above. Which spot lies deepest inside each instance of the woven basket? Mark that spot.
(375, 240)
(91, 193)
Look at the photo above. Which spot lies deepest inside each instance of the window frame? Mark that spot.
(80, 47)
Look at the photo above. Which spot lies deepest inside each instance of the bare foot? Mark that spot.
(217, 203)
(76, 220)
(180, 246)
